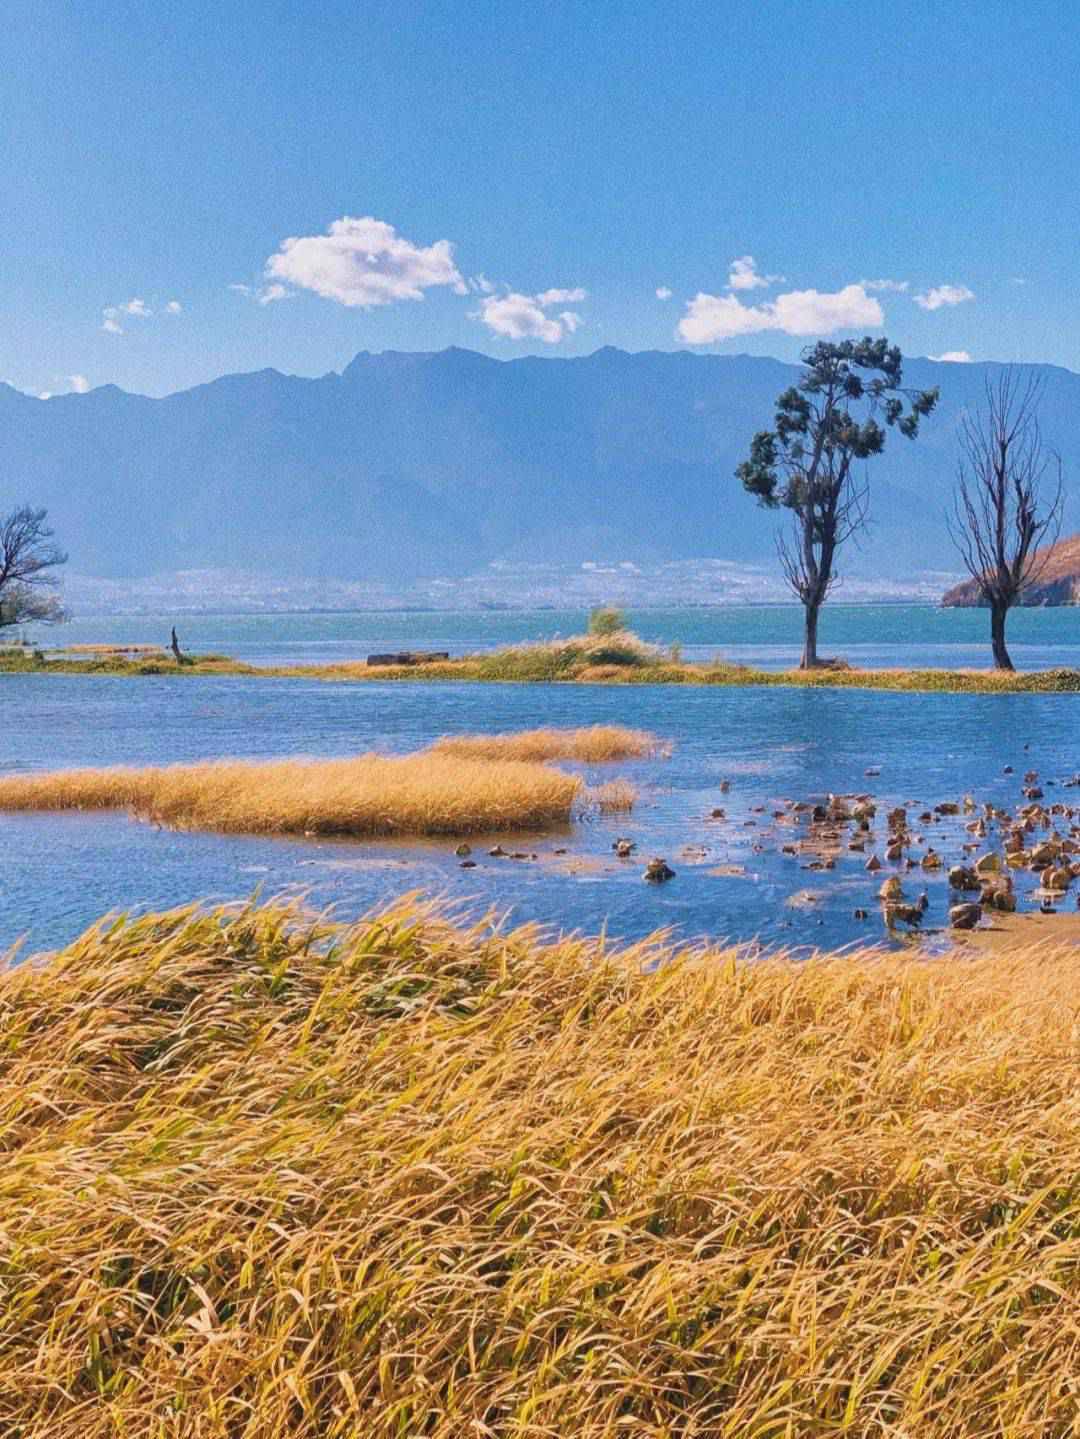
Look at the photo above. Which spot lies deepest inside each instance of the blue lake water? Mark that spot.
(62, 872)
(765, 635)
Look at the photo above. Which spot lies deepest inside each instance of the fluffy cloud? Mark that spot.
(663, 293)
(953, 357)
(79, 384)
(113, 316)
(361, 263)
(941, 295)
(896, 286)
(560, 297)
(174, 307)
(710, 318)
(744, 275)
(523, 317)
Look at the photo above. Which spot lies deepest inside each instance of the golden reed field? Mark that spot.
(266, 1178)
(593, 744)
(470, 785)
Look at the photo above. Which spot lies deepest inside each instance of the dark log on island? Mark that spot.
(1057, 583)
(409, 657)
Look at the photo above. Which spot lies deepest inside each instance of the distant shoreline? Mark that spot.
(528, 665)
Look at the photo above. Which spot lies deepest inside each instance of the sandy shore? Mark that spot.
(1009, 930)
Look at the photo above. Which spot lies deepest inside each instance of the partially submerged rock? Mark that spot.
(657, 871)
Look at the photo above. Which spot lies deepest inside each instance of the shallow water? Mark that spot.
(62, 872)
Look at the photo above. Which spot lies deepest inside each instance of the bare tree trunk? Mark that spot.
(998, 615)
(812, 609)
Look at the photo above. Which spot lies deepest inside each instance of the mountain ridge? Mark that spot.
(428, 463)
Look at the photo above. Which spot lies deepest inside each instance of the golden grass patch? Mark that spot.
(268, 1178)
(368, 795)
(614, 796)
(593, 744)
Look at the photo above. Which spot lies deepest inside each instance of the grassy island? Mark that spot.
(461, 785)
(265, 1176)
(621, 658)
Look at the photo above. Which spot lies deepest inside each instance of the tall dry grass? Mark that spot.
(266, 1178)
(369, 795)
(594, 744)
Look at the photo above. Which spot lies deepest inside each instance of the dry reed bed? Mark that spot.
(369, 795)
(462, 785)
(593, 744)
(264, 1178)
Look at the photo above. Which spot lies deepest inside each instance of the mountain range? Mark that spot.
(419, 464)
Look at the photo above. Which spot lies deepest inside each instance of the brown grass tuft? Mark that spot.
(267, 1178)
(595, 744)
(614, 796)
(369, 795)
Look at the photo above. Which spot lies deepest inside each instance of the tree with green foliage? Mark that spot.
(28, 555)
(606, 620)
(807, 464)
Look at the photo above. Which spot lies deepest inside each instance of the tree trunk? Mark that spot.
(810, 655)
(998, 614)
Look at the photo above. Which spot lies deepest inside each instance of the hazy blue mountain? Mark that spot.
(426, 464)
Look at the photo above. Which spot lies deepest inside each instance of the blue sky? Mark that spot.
(523, 179)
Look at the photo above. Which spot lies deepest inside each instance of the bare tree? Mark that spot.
(28, 555)
(806, 464)
(1008, 501)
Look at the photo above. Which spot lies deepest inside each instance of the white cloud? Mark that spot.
(940, 295)
(481, 285)
(361, 263)
(898, 287)
(952, 357)
(113, 315)
(45, 395)
(561, 297)
(663, 293)
(710, 318)
(521, 317)
(174, 307)
(241, 289)
(79, 384)
(269, 293)
(744, 275)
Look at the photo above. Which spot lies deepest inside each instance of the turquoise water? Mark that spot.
(769, 746)
(765, 635)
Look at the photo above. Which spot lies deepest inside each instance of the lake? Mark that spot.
(769, 636)
(733, 879)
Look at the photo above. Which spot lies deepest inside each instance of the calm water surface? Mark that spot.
(62, 872)
(765, 635)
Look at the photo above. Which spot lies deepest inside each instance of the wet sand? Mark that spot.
(1009, 931)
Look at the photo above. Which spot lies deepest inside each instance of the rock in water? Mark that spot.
(962, 877)
(658, 870)
(965, 916)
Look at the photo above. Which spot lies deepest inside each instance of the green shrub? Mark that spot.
(606, 620)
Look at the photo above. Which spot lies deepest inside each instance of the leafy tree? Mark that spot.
(823, 425)
(1008, 501)
(28, 555)
(606, 620)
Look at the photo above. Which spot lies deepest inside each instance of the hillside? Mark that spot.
(1058, 582)
(409, 465)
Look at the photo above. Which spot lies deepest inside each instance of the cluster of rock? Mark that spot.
(1038, 837)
